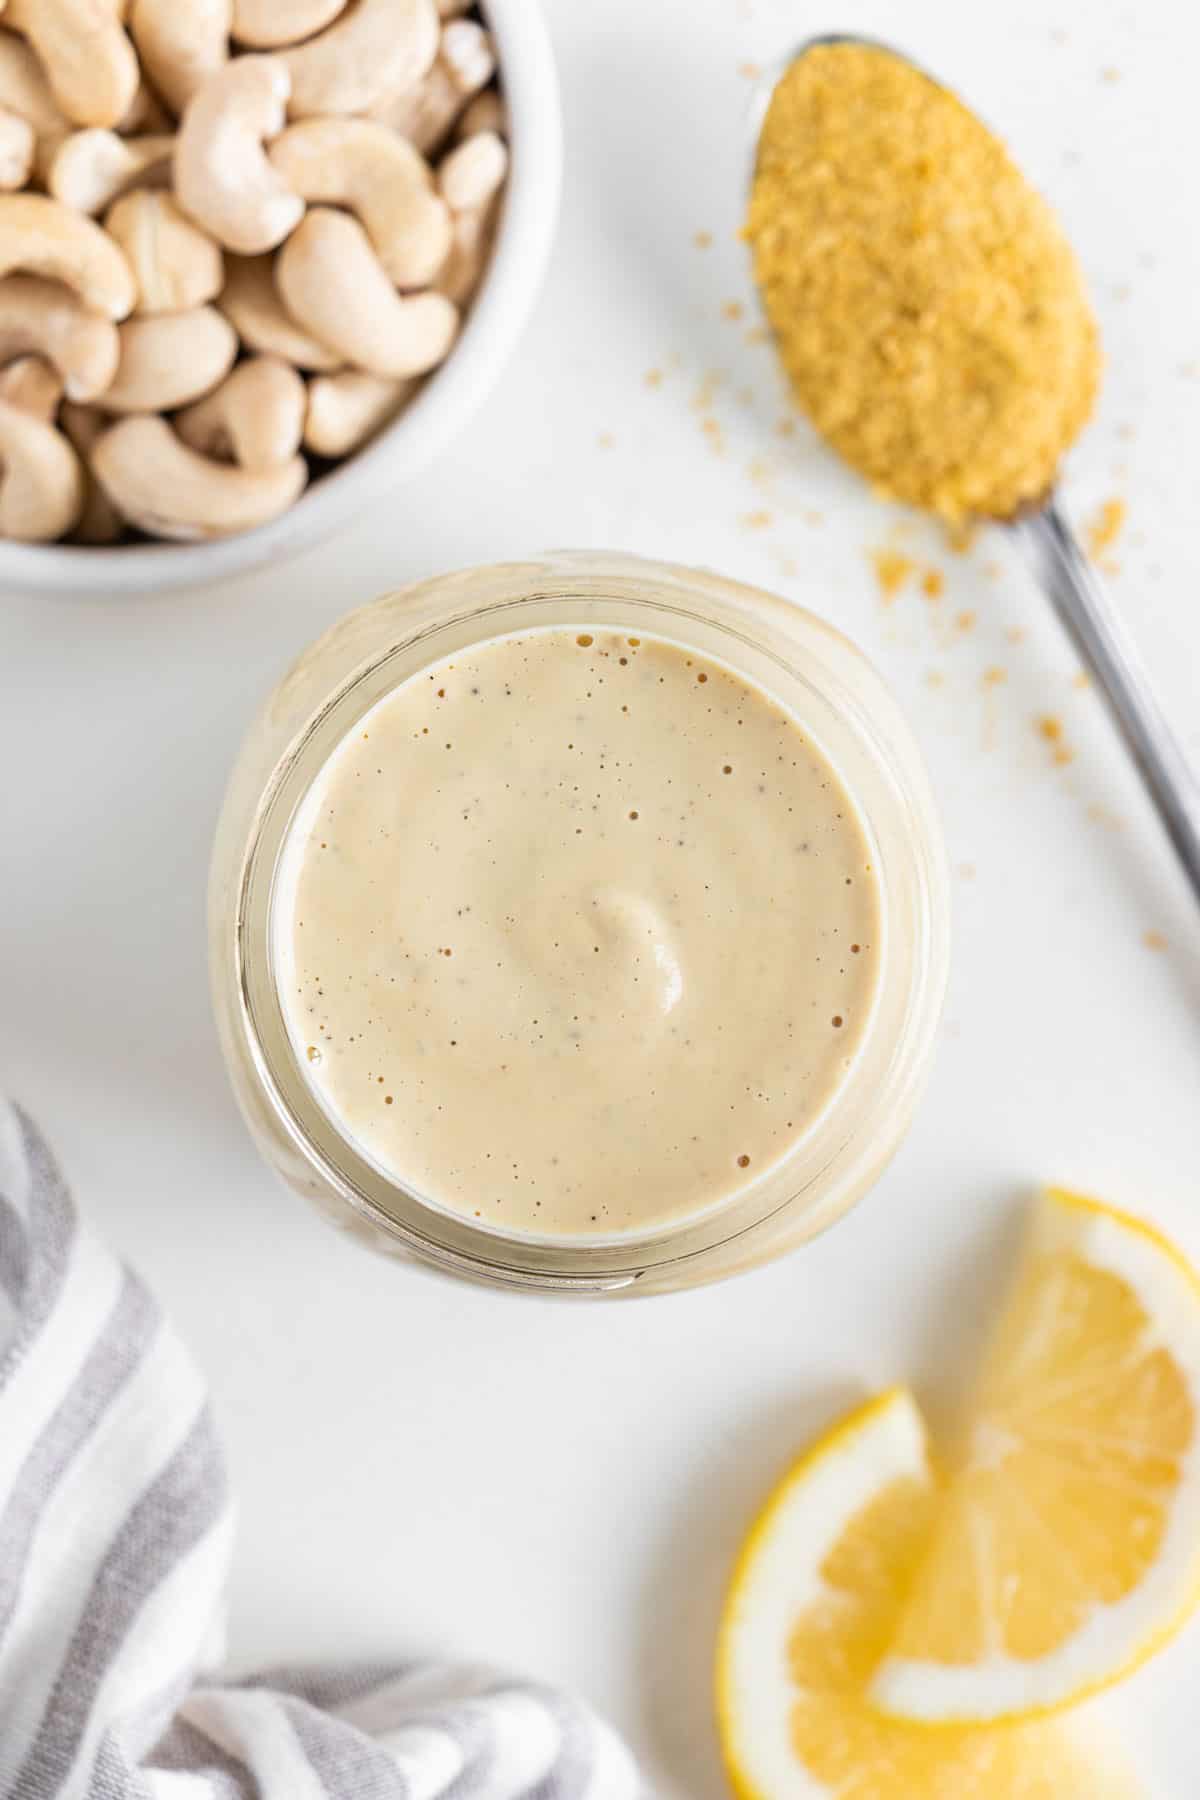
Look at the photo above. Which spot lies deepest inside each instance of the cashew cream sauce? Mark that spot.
(576, 933)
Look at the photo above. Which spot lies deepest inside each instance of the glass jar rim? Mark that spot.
(697, 610)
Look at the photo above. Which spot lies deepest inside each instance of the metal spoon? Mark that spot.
(1094, 627)
(1084, 608)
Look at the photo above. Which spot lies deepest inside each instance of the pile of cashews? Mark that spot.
(234, 236)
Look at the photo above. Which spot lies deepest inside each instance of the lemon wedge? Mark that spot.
(814, 1601)
(1067, 1548)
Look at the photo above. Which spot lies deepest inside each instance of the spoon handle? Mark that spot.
(1096, 630)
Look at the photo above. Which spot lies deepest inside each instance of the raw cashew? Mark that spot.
(99, 522)
(25, 90)
(376, 47)
(332, 282)
(470, 179)
(468, 55)
(168, 359)
(181, 43)
(90, 168)
(360, 164)
(345, 410)
(425, 113)
(473, 172)
(51, 321)
(157, 483)
(468, 258)
(41, 481)
(486, 112)
(175, 264)
(33, 385)
(89, 62)
(270, 24)
(44, 235)
(16, 150)
(222, 176)
(255, 418)
(252, 304)
(147, 116)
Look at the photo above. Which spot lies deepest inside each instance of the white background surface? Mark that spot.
(561, 1488)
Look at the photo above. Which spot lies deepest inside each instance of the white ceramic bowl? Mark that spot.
(439, 411)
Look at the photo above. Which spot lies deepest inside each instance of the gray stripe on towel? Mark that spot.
(328, 1689)
(50, 1233)
(117, 1351)
(169, 1518)
(14, 1251)
(187, 1750)
(472, 1730)
(575, 1763)
(345, 1760)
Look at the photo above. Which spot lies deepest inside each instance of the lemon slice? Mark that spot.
(813, 1603)
(1068, 1546)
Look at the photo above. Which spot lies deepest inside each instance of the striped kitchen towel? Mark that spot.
(115, 1529)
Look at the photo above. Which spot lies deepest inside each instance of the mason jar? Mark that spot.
(801, 664)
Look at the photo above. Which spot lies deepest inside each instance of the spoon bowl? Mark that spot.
(1069, 581)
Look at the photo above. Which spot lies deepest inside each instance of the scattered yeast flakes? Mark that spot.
(732, 309)
(756, 521)
(707, 389)
(605, 440)
(653, 378)
(1154, 940)
(892, 571)
(1105, 816)
(928, 309)
(965, 621)
(1106, 527)
(933, 584)
(712, 430)
(702, 240)
(994, 677)
(1050, 729)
